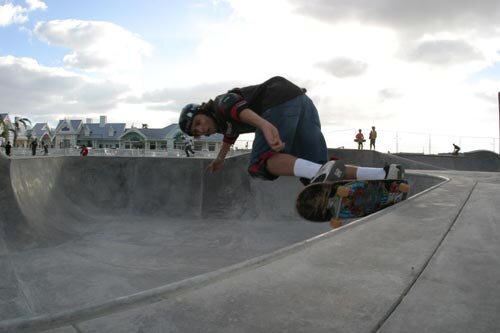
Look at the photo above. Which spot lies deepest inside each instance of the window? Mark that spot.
(198, 145)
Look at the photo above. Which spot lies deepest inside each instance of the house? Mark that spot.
(43, 133)
(71, 133)
(208, 143)
(166, 138)
(148, 138)
(101, 135)
(67, 132)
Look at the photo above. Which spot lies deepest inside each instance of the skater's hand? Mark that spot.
(270, 132)
(215, 165)
(273, 137)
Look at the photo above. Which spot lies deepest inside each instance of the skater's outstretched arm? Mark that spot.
(270, 131)
(218, 163)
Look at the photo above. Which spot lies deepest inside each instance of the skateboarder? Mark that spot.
(188, 146)
(456, 149)
(360, 138)
(288, 139)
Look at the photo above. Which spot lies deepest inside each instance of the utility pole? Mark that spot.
(499, 122)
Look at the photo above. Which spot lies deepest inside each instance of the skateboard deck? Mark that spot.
(347, 199)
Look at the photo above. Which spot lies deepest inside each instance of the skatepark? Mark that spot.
(128, 244)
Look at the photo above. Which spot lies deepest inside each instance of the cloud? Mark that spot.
(444, 52)
(15, 14)
(44, 93)
(36, 4)
(10, 14)
(176, 98)
(96, 45)
(438, 33)
(389, 94)
(344, 67)
(417, 16)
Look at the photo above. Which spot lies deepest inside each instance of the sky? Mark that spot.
(420, 71)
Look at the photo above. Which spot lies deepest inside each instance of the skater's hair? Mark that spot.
(207, 106)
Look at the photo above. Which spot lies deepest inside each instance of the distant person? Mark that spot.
(188, 146)
(34, 145)
(373, 137)
(360, 138)
(456, 149)
(45, 148)
(8, 147)
(84, 151)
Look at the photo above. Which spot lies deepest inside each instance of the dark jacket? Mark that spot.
(227, 107)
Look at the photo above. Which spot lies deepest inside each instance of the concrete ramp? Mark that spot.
(79, 231)
(112, 244)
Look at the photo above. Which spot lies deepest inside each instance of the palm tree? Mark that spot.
(178, 139)
(17, 124)
(5, 129)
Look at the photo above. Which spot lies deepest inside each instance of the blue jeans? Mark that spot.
(298, 124)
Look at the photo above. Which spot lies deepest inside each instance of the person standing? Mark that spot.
(360, 138)
(373, 137)
(8, 147)
(84, 151)
(34, 145)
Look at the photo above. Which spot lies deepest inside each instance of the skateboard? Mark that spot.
(347, 199)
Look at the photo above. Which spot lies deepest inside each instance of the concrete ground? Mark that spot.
(116, 244)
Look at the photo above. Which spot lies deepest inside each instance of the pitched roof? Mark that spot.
(40, 129)
(98, 132)
(74, 124)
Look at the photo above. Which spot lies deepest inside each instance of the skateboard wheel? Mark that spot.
(335, 223)
(343, 191)
(404, 188)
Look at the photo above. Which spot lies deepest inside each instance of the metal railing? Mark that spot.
(172, 153)
(387, 141)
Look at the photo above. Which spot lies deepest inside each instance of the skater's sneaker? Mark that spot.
(329, 172)
(394, 171)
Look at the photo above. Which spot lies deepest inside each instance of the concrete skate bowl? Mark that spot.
(480, 160)
(82, 237)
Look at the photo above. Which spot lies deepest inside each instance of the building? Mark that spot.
(148, 138)
(67, 132)
(43, 133)
(101, 135)
(166, 138)
(75, 133)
